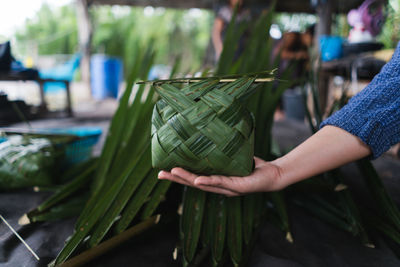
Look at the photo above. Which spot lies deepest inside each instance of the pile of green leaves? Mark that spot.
(27, 162)
(124, 186)
(68, 199)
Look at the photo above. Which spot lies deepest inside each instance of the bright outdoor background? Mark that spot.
(44, 33)
(49, 28)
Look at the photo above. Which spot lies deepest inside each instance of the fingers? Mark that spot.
(218, 190)
(169, 176)
(184, 174)
(227, 183)
(214, 180)
(215, 184)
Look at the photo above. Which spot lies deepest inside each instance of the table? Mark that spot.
(41, 82)
(348, 67)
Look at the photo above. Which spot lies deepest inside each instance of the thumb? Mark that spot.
(258, 161)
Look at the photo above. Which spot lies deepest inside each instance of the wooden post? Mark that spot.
(324, 13)
(43, 105)
(85, 31)
(68, 96)
(323, 27)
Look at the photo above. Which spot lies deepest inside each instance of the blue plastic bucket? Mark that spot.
(330, 47)
(106, 75)
(293, 104)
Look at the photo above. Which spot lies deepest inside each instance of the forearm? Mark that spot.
(325, 150)
(216, 37)
(329, 148)
(217, 42)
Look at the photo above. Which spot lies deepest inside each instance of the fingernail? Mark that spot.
(160, 174)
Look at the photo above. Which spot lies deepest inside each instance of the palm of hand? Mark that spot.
(265, 177)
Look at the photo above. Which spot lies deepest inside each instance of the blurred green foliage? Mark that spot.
(390, 35)
(298, 22)
(51, 31)
(117, 30)
(340, 25)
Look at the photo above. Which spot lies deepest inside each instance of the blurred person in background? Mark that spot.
(221, 22)
(294, 48)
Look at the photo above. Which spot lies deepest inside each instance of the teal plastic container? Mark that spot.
(330, 47)
(81, 149)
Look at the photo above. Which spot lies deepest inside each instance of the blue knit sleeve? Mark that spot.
(374, 114)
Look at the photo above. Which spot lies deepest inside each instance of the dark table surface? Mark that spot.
(316, 243)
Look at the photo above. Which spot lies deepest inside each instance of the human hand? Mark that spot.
(265, 177)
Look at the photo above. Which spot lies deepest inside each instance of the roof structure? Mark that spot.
(293, 6)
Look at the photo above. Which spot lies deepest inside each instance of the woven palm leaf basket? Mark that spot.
(204, 127)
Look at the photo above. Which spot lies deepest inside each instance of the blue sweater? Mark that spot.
(374, 114)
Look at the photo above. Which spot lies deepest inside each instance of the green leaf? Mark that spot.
(235, 229)
(137, 201)
(192, 220)
(139, 172)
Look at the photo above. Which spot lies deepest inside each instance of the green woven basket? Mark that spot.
(204, 127)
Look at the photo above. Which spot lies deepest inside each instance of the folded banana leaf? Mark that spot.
(205, 126)
(26, 162)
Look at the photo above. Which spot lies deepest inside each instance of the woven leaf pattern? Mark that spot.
(204, 127)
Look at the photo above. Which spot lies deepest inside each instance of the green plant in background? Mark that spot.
(51, 31)
(182, 33)
(341, 26)
(390, 35)
(117, 31)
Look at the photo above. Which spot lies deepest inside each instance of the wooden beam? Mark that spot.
(85, 32)
(159, 3)
(323, 27)
(324, 13)
(291, 6)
